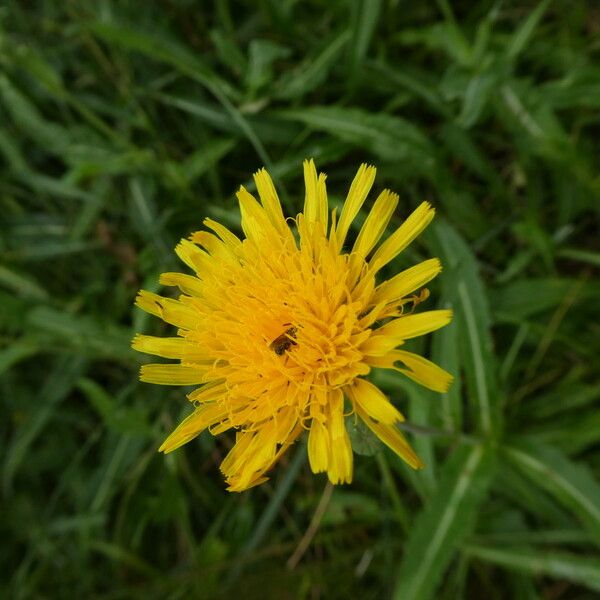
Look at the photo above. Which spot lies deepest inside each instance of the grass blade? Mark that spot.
(58, 385)
(439, 528)
(535, 562)
(523, 34)
(473, 316)
(571, 484)
(388, 137)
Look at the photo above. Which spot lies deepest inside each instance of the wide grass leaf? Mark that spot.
(570, 483)
(56, 388)
(82, 333)
(444, 521)
(158, 46)
(312, 72)
(535, 562)
(527, 297)
(523, 34)
(389, 137)
(366, 16)
(161, 48)
(473, 315)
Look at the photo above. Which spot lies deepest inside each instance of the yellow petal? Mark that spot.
(172, 374)
(195, 258)
(340, 460)
(237, 484)
(335, 421)
(377, 346)
(208, 392)
(259, 457)
(188, 284)
(376, 222)
(315, 200)
(270, 201)
(412, 326)
(392, 438)
(318, 447)
(227, 236)
(250, 458)
(356, 197)
(286, 420)
(169, 310)
(407, 281)
(403, 236)
(389, 336)
(373, 401)
(255, 223)
(421, 370)
(169, 347)
(214, 245)
(236, 455)
(192, 426)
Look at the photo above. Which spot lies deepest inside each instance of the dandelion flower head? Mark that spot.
(280, 329)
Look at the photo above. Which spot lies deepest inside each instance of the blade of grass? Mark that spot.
(58, 385)
(366, 17)
(390, 138)
(570, 483)
(523, 34)
(444, 521)
(536, 561)
(311, 74)
(188, 64)
(270, 513)
(473, 315)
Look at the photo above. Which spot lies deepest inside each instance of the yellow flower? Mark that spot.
(280, 329)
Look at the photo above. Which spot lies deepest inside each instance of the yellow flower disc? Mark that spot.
(279, 329)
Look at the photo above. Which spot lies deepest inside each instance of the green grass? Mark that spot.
(123, 124)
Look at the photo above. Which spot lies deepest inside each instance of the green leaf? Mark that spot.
(364, 441)
(366, 17)
(115, 415)
(478, 92)
(312, 72)
(83, 333)
(510, 484)
(351, 507)
(23, 285)
(52, 136)
(158, 46)
(262, 56)
(523, 34)
(123, 556)
(445, 352)
(165, 50)
(528, 297)
(58, 384)
(474, 323)
(390, 138)
(579, 88)
(570, 483)
(444, 522)
(417, 82)
(43, 250)
(559, 431)
(18, 351)
(584, 256)
(200, 161)
(273, 130)
(577, 569)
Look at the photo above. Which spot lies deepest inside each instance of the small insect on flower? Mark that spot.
(285, 341)
(280, 331)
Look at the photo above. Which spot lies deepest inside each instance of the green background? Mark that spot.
(123, 124)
